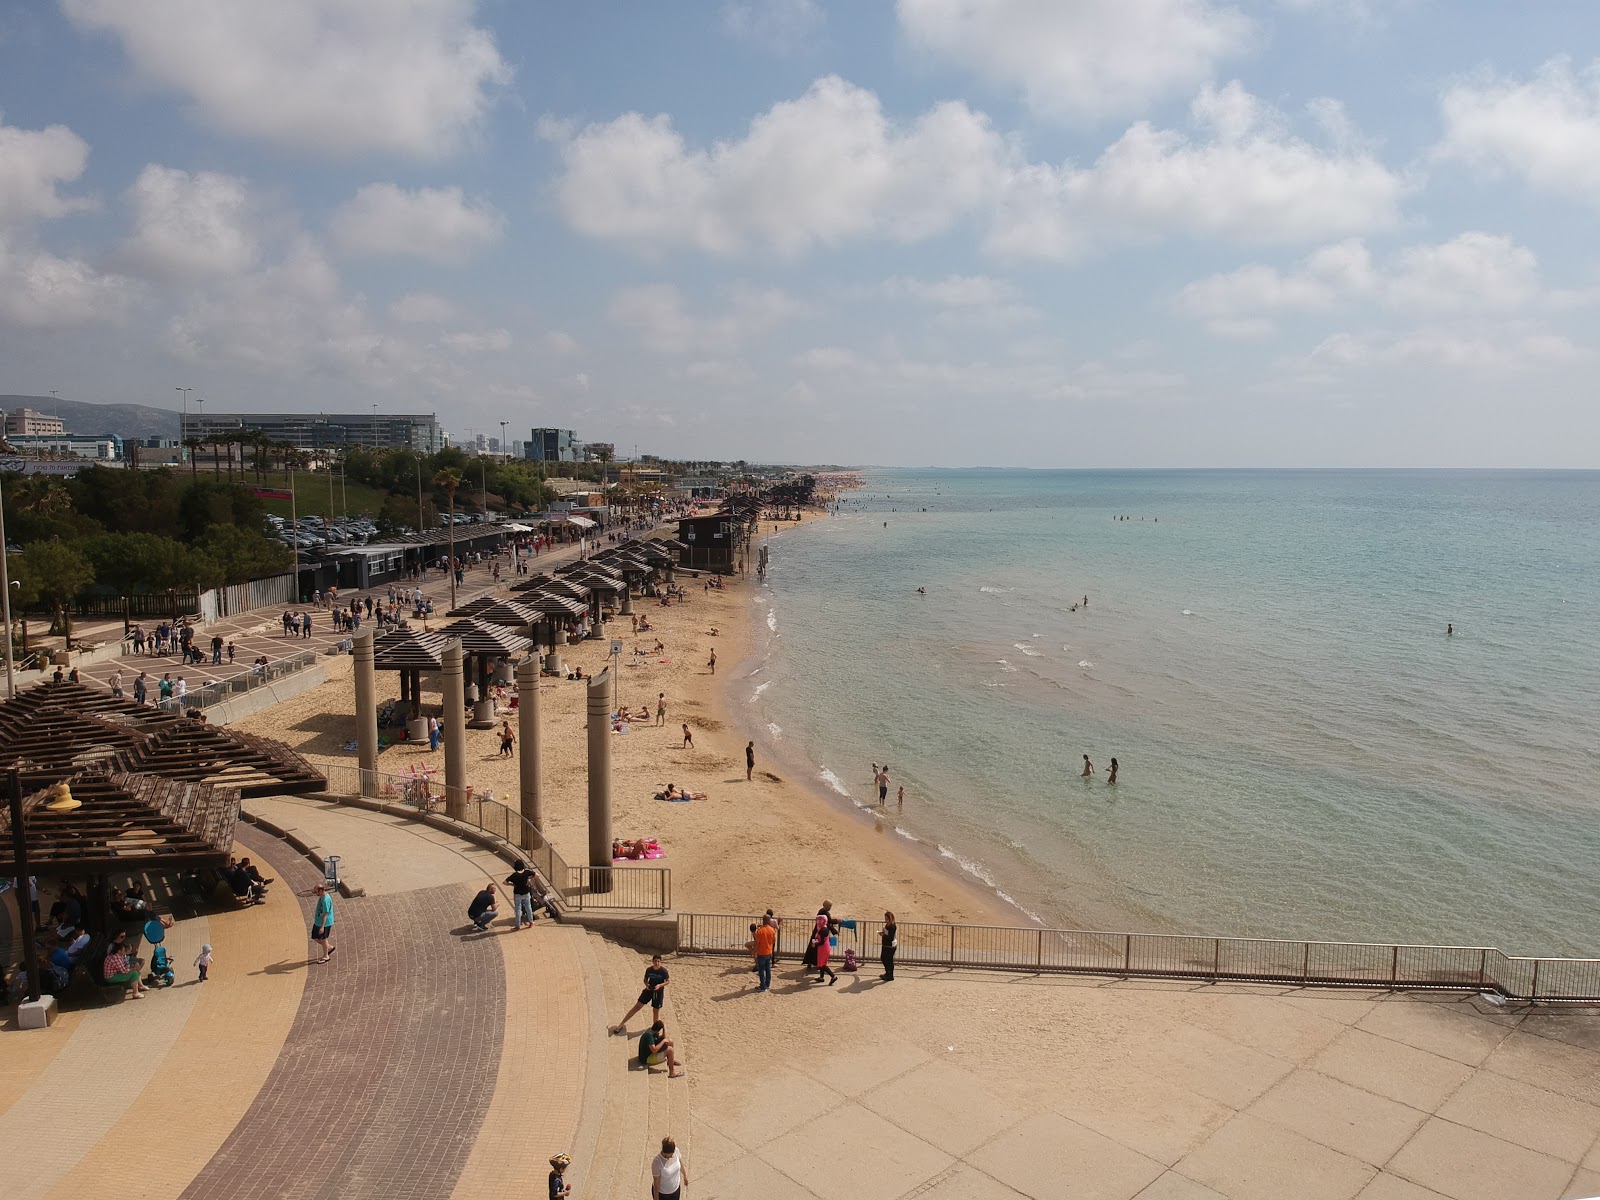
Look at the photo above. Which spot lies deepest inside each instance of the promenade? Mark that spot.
(426, 1060)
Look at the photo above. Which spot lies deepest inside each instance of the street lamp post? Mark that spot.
(505, 448)
(419, 493)
(5, 597)
(183, 421)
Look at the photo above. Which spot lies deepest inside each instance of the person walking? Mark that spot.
(883, 785)
(766, 941)
(433, 733)
(749, 761)
(656, 978)
(667, 1176)
(889, 936)
(688, 738)
(202, 961)
(559, 1187)
(1088, 768)
(322, 921)
(216, 649)
(508, 740)
(1112, 777)
(116, 683)
(661, 709)
(713, 663)
(821, 940)
(141, 688)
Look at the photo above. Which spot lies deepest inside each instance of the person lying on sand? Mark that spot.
(674, 792)
(637, 848)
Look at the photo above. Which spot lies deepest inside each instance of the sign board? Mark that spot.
(616, 647)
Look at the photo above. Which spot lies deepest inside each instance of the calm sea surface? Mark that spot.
(1303, 751)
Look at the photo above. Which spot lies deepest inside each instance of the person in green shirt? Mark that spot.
(165, 687)
(322, 921)
(654, 1041)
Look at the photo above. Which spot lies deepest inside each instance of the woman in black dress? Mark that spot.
(890, 937)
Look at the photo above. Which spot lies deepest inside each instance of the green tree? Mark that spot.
(238, 554)
(209, 502)
(399, 512)
(144, 562)
(54, 573)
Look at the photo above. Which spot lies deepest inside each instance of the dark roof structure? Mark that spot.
(409, 650)
(483, 640)
(554, 604)
(511, 613)
(157, 790)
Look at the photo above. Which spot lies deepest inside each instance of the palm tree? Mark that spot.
(450, 479)
(216, 455)
(193, 443)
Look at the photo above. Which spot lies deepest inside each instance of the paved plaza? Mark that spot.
(427, 1060)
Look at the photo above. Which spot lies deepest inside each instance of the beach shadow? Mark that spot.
(471, 933)
(287, 967)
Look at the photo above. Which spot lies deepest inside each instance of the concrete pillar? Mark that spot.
(552, 661)
(528, 751)
(627, 603)
(455, 733)
(600, 782)
(366, 713)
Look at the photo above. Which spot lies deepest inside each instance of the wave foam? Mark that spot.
(772, 619)
(1084, 662)
(994, 591)
(970, 866)
(1026, 649)
(775, 730)
(832, 780)
(756, 695)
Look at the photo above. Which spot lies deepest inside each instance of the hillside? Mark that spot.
(125, 420)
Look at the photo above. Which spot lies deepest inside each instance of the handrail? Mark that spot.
(1184, 956)
(620, 886)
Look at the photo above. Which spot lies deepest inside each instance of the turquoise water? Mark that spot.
(1303, 751)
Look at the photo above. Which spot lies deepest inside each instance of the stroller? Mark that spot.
(161, 973)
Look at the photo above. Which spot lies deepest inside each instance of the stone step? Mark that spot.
(617, 1169)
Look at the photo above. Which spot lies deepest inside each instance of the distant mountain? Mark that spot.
(124, 420)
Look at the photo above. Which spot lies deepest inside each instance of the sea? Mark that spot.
(1303, 751)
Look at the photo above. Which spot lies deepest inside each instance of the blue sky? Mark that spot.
(1001, 232)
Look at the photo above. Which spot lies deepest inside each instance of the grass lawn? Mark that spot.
(311, 495)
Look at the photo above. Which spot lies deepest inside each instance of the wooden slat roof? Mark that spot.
(409, 649)
(126, 823)
(554, 604)
(482, 640)
(254, 766)
(510, 613)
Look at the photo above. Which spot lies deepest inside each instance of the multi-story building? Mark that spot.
(325, 431)
(600, 451)
(554, 445)
(105, 447)
(27, 422)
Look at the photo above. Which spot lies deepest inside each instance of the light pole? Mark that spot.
(374, 426)
(183, 421)
(419, 493)
(505, 448)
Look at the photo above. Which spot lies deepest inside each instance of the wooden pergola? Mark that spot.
(484, 643)
(409, 651)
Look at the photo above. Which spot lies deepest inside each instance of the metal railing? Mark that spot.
(581, 888)
(1157, 955)
(220, 690)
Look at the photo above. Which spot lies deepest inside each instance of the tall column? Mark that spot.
(600, 782)
(528, 763)
(366, 714)
(552, 662)
(455, 733)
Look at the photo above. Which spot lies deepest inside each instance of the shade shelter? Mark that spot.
(483, 644)
(411, 652)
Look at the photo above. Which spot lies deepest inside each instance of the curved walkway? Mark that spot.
(423, 1060)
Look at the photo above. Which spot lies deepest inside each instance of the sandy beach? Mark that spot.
(775, 841)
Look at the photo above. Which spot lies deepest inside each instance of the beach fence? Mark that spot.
(582, 888)
(236, 598)
(1177, 956)
(217, 691)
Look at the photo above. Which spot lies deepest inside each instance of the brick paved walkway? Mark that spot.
(391, 1062)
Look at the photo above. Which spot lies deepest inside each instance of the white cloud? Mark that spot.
(422, 308)
(953, 291)
(188, 226)
(40, 290)
(1251, 180)
(482, 341)
(328, 76)
(1480, 350)
(1545, 130)
(33, 164)
(780, 26)
(824, 169)
(1472, 273)
(558, 341)
(435, 224)
(1083, 59)
(660, 318)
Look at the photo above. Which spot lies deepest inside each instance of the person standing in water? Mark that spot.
(1449, 631)
(1088, 768)
(1112, 777)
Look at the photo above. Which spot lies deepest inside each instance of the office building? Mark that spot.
(325, 431)
(28, 422)
(554, 445)
(105, 447)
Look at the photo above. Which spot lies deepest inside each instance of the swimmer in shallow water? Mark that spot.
(1112, 777)
(1088, 768)
(1449, 631)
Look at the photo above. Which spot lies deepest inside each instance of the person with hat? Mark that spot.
(559, 1187)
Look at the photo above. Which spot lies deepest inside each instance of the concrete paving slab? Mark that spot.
(867, 1158)
(1163, 1125)
(1048, 1157)
(1173, 1186)
(1450, 1030)
(942, 1104)
(1392, 1187)
(1260, 1021)
(1555, 1066)
(1467, 1165)
(1584, 1186)
(712, 1151)
(750, 1176)
(1213, 1066)
(859, 1069)
(1393, 1069)
(962, 1182)
(754, 1111)
(1252, 1159)
(1525, 1115)
(1362, 1124)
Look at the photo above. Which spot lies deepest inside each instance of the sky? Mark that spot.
(1043, 233)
